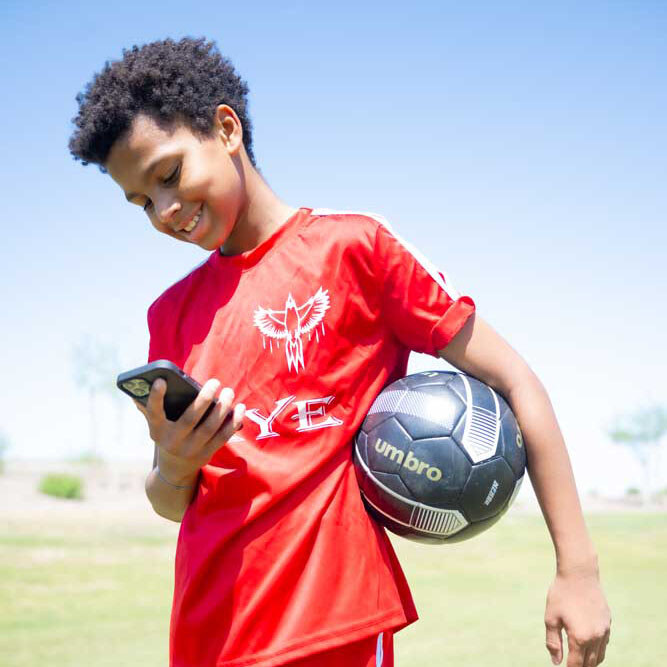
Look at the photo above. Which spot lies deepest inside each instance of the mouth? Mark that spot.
(193, 223)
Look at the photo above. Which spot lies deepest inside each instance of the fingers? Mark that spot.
(154, 410)
(576, 653)
(206, 428)
(226, 431)
(587, 653)
(603, 646)
(554, 642)
(190, 419)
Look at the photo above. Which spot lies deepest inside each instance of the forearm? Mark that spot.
(167, 500)
(551, 474)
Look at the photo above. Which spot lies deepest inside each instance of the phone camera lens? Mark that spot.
(137, 387)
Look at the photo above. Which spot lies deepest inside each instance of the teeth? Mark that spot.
(193, 223)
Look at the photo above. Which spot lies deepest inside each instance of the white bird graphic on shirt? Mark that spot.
(291, 323)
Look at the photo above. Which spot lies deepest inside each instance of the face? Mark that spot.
(191, 188)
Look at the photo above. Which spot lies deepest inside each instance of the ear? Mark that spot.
(228, 127)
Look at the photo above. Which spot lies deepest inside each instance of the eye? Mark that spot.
(173, 177)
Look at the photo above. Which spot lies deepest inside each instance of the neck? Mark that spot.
(263, 213)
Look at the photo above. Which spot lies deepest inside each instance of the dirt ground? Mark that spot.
(114, 491)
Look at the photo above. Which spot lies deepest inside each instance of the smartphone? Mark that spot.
(181, 388)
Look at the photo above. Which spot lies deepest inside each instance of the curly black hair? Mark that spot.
(171, 82)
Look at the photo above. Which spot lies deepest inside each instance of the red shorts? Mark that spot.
(375, 651)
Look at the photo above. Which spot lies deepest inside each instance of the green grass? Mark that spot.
(99, 594)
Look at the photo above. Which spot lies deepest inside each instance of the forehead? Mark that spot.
(145, 144)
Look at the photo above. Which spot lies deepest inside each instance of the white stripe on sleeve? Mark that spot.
(427, 265)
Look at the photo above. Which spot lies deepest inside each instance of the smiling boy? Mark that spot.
(277, 561)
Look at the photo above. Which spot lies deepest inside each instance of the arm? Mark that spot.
(575, 600)
(169, 497)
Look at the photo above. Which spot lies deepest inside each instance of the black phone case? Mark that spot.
(181, 388)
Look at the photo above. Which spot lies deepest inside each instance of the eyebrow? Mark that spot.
(151, 167)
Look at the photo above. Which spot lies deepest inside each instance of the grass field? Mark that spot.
(90, 589)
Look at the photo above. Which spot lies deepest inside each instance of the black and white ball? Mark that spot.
(439, 457)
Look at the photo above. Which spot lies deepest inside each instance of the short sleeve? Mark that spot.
(422, 309)
(154, 343)
(160, 345)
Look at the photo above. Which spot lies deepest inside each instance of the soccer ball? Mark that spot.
(439, 457)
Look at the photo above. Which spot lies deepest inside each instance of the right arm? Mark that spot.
(183, 447)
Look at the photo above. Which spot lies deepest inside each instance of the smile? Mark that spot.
(193, 223)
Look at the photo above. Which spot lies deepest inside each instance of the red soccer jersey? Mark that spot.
(277, 558)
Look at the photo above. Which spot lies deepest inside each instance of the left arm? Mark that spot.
(575, 601)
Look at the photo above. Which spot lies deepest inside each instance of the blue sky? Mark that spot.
(521, 146)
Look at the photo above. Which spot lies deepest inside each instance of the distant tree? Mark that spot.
(95, 367)
(4, 446)
(642, 432)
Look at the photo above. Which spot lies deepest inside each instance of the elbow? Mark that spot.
(525, 386)
(171, 516)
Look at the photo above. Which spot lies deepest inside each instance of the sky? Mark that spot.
(520, 145)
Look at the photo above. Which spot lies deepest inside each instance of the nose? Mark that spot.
(166, 208)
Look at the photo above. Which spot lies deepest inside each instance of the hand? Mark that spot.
(184, 446)
(577, 603)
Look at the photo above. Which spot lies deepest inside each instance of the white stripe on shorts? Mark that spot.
(379, 652)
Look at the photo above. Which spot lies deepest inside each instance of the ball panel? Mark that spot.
(361, 444)
(457, 386)
(479, 434)
(435, 470)
(511, 442)
(408, 532)
(430, 412)
(476, 528)
(482, 396)
(390, 502)
(487, 490)
(394, 482)
(383, 407)
(428, 378)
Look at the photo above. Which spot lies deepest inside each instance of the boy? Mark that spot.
(305, 315)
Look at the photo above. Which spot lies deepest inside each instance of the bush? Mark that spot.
(62, 486)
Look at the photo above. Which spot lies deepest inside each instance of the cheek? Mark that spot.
(163, 229)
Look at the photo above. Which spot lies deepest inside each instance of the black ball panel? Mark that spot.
(487, 490)
(512, 446)
(435, 471)
(394, 482)
(361, 442)
(483, 397)
(457, 435)
(457, 387)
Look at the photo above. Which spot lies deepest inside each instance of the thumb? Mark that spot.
(555, 642)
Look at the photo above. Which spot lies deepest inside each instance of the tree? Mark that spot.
(642, 431)
(95, 368)
(4, 446)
